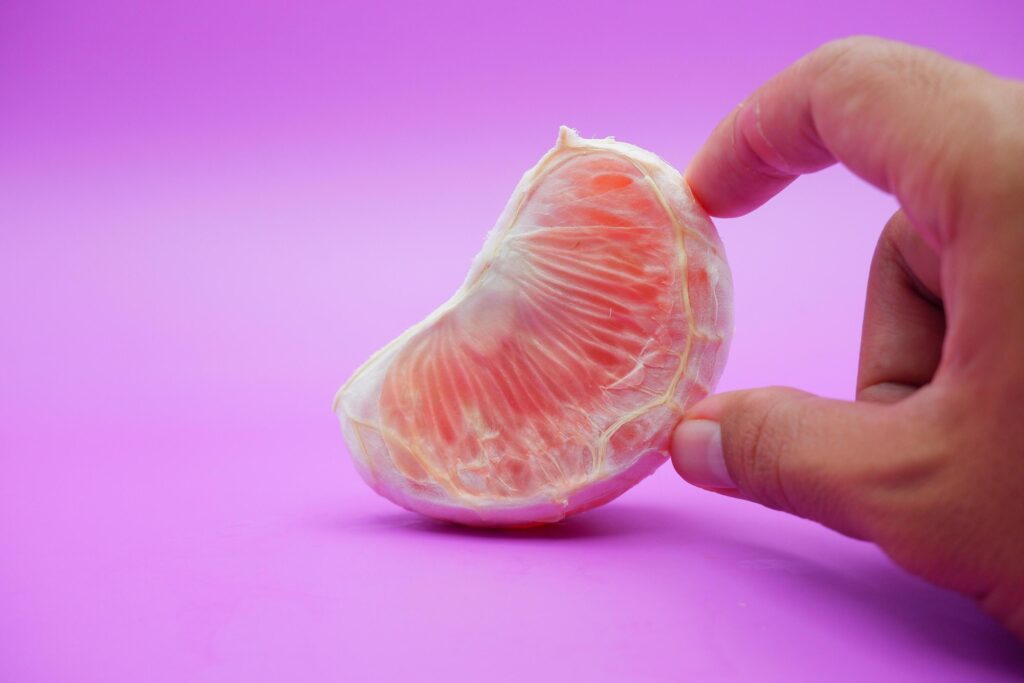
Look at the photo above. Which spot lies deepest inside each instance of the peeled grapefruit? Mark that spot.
(598, 310)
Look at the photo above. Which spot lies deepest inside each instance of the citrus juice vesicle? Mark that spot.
(599, 309)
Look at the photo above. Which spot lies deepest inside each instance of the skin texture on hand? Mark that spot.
(928, 462)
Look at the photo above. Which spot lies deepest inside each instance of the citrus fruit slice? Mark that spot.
(598, 310)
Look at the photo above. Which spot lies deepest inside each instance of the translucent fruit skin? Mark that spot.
(598, 311)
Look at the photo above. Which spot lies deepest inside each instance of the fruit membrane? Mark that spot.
(598, 311)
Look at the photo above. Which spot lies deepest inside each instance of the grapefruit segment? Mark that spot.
(598, 310)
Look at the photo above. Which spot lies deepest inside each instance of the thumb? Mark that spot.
(789, 450)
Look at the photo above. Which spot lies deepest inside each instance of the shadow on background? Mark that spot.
(945, 623)
(869, 590)
(608, 522)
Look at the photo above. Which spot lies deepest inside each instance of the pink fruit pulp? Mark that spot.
(597, 312)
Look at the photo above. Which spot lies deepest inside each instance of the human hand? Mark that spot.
(928, 462)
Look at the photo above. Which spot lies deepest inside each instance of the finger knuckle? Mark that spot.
(888, 248)
(855, 51)
(761, 443)
(868, 65)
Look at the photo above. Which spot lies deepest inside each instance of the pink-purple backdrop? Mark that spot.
(212, 212)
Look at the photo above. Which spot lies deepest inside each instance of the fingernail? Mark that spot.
(697, 454)
(748, 120)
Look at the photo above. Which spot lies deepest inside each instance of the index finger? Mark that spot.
(907, 120)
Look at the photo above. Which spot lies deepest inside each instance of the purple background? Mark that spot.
(212, 212)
